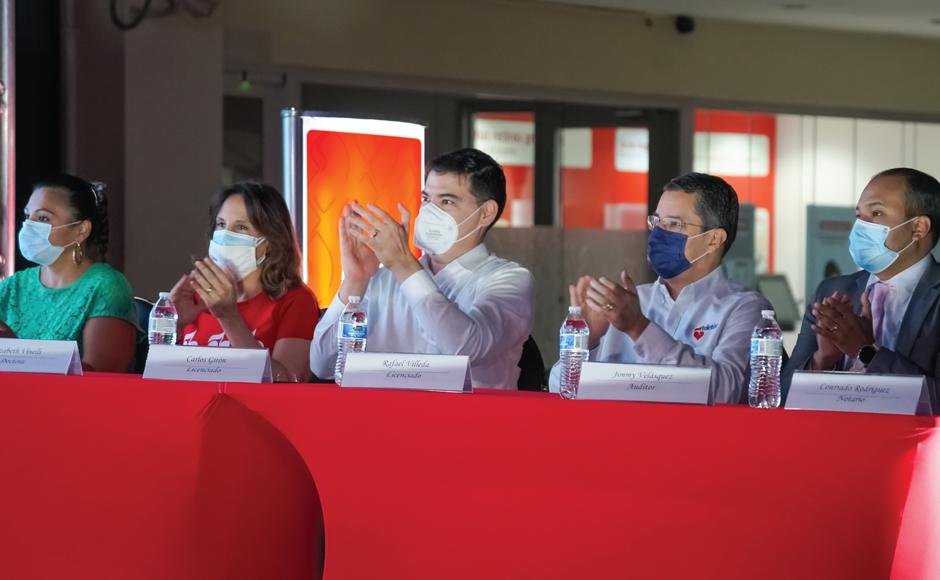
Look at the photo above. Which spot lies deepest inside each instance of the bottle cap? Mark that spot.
(164, 294)
(574, 310)
(766, 313)
(355, 299)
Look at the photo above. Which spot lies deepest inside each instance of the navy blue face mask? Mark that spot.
(666, 252)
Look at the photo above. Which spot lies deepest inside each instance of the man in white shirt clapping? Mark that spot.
(692, 315)
(458, 298)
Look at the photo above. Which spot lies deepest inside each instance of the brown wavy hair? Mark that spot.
(267, 211)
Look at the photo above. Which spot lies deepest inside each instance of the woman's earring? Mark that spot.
(78, 254)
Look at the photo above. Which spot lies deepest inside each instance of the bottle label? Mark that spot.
(572, 341)
(355, 331)
(766, 347)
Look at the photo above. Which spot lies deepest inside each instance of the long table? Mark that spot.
(111, 476)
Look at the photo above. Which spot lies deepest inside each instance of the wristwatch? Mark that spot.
(867, 353)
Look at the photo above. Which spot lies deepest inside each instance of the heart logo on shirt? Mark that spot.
(698, 333)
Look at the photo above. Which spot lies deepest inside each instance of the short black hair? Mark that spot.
(87, 202)
(716, 205)
(487, 180)
(922, 196)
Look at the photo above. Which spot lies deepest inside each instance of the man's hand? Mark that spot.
(387, 238)
(841, 327)
(358, 260)
(619, 303)
(595, 319)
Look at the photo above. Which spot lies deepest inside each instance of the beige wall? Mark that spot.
(173, 83)
(173, 148)
(533, 46)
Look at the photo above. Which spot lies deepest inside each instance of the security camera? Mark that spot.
(685, 24)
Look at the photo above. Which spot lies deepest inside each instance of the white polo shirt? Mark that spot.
(708, 325)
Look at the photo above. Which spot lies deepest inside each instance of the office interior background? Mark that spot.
(590, 105)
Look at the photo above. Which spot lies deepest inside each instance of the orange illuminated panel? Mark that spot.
(378, 162)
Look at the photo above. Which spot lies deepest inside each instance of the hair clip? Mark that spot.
(97, 188)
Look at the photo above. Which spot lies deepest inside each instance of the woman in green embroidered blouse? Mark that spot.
(72, 294)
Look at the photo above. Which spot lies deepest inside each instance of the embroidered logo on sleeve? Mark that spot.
(699, 332)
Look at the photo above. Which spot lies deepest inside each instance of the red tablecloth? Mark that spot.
(116, 477)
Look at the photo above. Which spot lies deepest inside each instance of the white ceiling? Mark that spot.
(904, 17)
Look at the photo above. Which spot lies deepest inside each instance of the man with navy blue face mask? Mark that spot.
(458, 298)
(886, 317)
(692, 315)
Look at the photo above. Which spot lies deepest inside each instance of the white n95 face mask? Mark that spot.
(235, 252)
(35, 245)
(436, 230)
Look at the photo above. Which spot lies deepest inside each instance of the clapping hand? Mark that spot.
(619, 303)
(596, 320)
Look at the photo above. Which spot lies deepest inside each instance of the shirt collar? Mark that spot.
(907, 280)
(469, 260)
(701, 287)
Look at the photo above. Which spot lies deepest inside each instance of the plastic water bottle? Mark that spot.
(353, 332)
(162, 327)
(572, 351)
(766, 355)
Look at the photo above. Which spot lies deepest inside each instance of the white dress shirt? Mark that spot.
(901, 291)
(709, 324)
(479, 305)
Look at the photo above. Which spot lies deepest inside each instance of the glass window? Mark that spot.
(603, 177)
(510, 139)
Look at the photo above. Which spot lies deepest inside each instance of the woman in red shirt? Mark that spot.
(249, 293)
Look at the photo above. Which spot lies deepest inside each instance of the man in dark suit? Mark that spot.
(885, 318)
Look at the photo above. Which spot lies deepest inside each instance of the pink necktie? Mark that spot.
(877, 294)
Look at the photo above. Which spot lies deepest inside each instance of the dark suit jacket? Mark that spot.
(917, 351)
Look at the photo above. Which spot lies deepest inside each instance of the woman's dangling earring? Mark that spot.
(78, 254)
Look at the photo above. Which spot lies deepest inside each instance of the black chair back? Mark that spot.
(532, 368)
(143, 308)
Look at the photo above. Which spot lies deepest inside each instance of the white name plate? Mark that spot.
(205, 363)
(650, 383)
(858, 393)
(57, 357)
(420, 372)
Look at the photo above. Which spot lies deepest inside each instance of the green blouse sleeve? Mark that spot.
(112, 296)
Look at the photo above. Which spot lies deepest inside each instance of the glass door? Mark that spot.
(611, 165)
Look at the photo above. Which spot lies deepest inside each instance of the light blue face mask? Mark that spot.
(35, 245)
(235, 252)
(867, 246)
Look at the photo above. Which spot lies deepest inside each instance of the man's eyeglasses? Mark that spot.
(669, 224)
